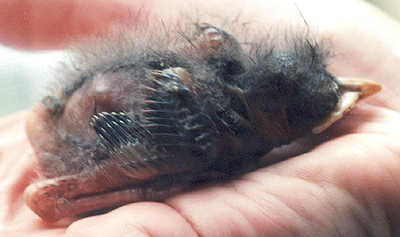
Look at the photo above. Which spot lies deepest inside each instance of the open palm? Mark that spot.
(343, 182)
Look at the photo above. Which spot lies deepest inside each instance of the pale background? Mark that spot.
(23, 75)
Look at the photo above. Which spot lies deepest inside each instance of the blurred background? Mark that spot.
(23, 75)
(392, 7)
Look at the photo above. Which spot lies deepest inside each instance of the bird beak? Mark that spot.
(351, 90)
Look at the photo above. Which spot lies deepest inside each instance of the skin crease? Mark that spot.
(347, 185)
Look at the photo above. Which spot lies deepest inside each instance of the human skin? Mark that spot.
(343, 182)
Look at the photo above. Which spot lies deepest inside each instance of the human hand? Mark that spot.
(348, 184)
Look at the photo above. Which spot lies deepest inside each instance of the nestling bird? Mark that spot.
(142, 118)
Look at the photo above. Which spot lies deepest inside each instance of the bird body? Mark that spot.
(142, 119)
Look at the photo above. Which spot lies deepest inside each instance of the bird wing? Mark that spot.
(172, 134)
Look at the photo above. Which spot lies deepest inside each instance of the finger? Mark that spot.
(138, 219)
(339, 189)
(17, 166)
(40, 25)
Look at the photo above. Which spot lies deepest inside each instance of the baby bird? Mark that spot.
(144, 118)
